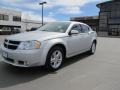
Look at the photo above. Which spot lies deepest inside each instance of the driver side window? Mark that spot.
(76, 27)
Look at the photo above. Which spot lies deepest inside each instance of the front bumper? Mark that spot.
(22, 58)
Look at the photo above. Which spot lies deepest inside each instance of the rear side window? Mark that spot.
(85, 29)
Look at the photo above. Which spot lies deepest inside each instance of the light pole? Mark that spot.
(42, 4)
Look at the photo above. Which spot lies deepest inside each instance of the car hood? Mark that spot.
(36, 35)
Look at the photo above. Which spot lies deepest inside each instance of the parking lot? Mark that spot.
(100, 71)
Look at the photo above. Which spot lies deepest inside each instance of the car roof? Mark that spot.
(72, 22)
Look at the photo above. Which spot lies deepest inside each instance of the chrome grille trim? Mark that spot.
(11, 44)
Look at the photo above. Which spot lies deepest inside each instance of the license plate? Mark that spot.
(5, 54)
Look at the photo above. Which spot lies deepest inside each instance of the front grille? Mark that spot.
(14, 42)
(10, 44)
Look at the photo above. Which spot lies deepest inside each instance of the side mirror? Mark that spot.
(72, 32)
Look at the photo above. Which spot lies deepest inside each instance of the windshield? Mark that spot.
(55, 27)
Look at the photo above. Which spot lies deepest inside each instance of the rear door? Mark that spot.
(86, 36)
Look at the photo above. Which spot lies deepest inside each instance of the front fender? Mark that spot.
(48, 44)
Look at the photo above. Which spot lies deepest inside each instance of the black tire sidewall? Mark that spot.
(48, 64)
(91, 48)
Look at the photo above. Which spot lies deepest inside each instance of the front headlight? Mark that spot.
(28, 45)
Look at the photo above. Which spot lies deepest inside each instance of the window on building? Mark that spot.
(1, 17)
(16, 18)
(4, 17)
(115, 14)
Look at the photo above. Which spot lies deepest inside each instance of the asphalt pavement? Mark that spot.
(2, 37)
(100, 71)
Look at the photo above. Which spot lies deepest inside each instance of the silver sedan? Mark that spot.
(49, 45)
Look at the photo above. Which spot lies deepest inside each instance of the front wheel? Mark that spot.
(55, 58)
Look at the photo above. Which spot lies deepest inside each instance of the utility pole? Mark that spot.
(42, 4)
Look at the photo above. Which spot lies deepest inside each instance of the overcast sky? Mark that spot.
(54, 9)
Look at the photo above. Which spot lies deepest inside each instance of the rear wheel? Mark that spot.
(93, 48)
(55, 58)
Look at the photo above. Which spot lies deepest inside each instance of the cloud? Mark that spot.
(36, 6)
(71, 6)
(51, 14)
(17, 1)
(70, 10)
(72, 2)
(29, 7)
(32, 16)
(50, 3)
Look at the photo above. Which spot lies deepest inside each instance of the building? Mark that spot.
(93, 21)
(109, 17)
(108, 20)
(11, 20)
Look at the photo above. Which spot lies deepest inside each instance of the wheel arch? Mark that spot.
(59, 45)
(49, 46)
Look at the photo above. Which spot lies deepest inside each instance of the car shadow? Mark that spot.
(11, 76)
(75, 59)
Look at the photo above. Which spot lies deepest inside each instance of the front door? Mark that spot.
(76, 41)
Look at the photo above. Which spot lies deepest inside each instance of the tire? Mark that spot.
(93, 48)
(55, 58)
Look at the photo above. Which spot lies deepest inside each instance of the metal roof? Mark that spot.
(107, 2)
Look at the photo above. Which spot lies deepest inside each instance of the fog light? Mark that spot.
(26, 63)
